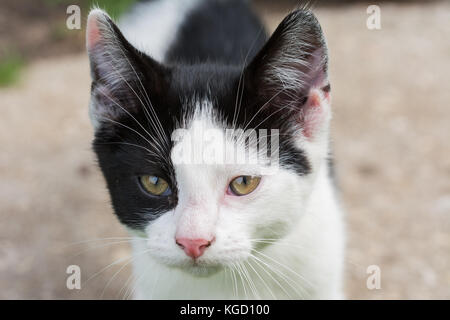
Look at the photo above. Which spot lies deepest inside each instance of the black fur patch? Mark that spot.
(225, 32)
(205, 62)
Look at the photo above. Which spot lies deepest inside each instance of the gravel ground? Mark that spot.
(390, 132)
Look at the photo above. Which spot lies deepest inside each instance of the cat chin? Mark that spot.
(201, 270)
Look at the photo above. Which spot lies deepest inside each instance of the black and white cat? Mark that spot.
(178, 69)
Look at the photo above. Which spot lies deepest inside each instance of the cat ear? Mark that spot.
(290, 72)
(119, 71)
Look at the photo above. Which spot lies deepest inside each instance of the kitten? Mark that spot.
(181, 77)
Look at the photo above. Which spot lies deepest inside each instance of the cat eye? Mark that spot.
(243, 185)
(155, 185)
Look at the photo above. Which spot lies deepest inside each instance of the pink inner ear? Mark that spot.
(314, 113)
(327, 96)
(93, 32)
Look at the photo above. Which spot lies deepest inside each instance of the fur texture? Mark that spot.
(218, 70)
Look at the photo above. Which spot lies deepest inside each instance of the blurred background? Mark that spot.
(391, 132)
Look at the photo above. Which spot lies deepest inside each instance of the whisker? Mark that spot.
(262, 107)
(284, 266)
(114, 276)
(149, 104)
(128, 294)
(262, 281)
(255, 289)
(240, 92)
(130, 144)
(100, 246)
(110, 265)
(261, 264)
(235, 287)
(138, 133)
(156, 144)
(103, 239)
(283, 277)
(238, 269)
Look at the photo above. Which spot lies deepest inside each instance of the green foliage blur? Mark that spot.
(11, 65)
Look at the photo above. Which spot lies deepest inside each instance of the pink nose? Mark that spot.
(194, 248)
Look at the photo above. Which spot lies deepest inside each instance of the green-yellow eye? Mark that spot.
(243, 185)
(155, 185)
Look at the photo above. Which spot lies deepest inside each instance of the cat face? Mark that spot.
(168, 141)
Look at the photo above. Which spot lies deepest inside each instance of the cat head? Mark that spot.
(164, 135)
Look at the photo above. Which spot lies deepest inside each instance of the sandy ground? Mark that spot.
(391, 128)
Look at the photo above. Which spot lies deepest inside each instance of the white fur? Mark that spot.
(305, 263)
(152, 26)
(301, 212)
